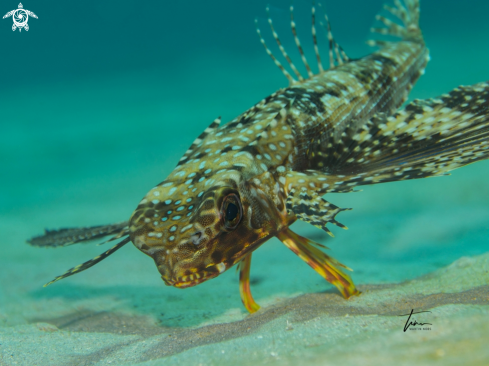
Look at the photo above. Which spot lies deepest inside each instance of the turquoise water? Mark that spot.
(98, 102)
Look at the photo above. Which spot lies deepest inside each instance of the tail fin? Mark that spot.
(70, 236)
(409, 17)
(426, 138)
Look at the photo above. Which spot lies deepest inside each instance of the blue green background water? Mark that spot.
(99, 100)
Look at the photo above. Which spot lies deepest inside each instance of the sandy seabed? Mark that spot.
(413, 245)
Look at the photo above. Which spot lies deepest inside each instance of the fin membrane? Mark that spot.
(426, 138)
(314, 209)
(69, 236)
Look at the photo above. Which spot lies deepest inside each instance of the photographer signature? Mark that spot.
(409, 323)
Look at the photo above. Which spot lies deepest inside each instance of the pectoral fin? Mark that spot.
(312, 208)
(90, 263)
(69, 236)
(426, 138)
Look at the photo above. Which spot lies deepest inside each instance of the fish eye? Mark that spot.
(231, 211)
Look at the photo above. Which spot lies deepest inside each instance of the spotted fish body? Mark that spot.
(240, 184)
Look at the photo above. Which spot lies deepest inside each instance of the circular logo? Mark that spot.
(20, 18)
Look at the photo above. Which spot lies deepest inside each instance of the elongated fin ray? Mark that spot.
(326, 266)
(70, 236)
(330, 37)
(409, 16)
(298, 43)
(314, 39)
(90, 263)
(272, 56)
(282, 49)
(336, 53)
(399, 12)
(244, 284)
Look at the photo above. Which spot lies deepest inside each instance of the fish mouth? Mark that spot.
(194, 279)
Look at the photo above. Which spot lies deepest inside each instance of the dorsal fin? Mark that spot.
(269, 53)
(336, 53)
(408, 15)
(298, 43)
(314, 39)
(213, 126)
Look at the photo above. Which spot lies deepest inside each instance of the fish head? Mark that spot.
(198, 223)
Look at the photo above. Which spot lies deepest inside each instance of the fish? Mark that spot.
(244, 182)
